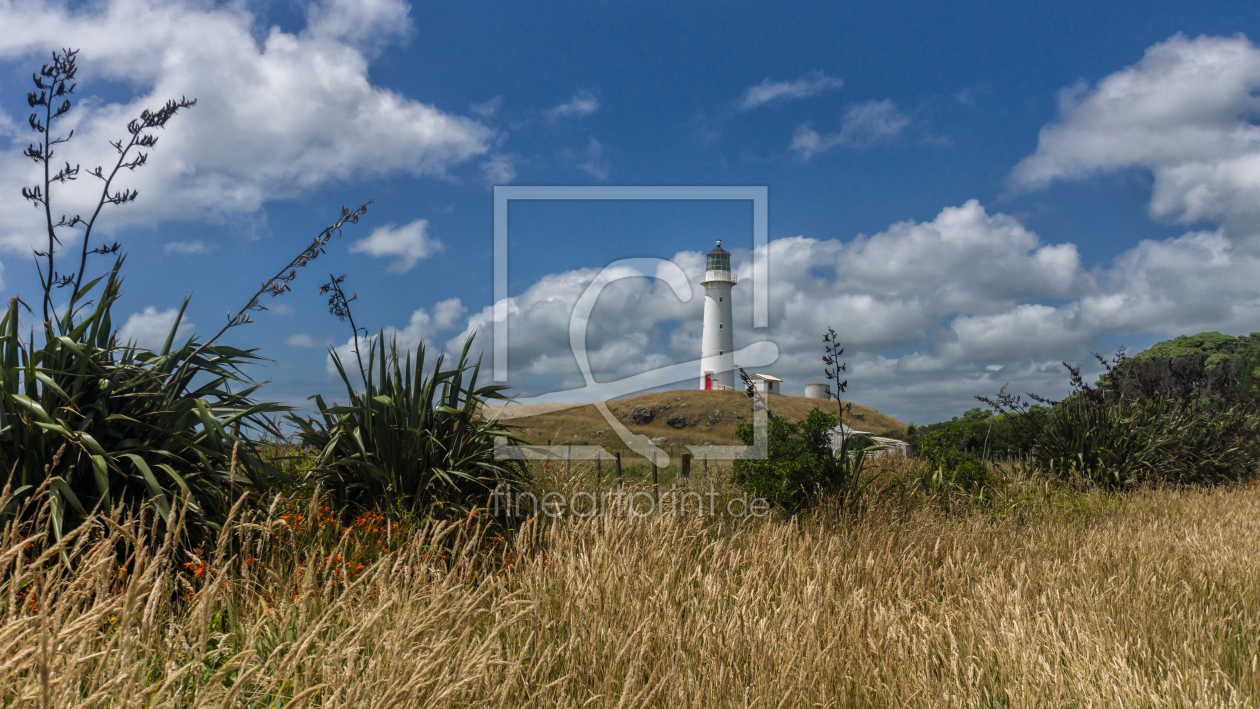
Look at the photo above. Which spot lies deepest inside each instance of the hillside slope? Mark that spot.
(710, 418)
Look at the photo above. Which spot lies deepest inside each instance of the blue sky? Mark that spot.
(968, 193)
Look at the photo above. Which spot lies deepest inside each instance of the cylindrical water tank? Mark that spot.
(817, 390)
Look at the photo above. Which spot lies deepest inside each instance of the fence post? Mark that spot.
(685, 469)
(599, 484)
(618, 454)
(656, 491)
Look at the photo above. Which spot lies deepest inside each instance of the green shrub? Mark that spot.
(409, 440)
(987, 437)
(945, 450)
(1122, 442)
(1184, 420)
(799, 463)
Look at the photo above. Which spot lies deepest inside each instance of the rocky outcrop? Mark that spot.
(641, 416)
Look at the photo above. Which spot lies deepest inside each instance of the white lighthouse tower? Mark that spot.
(717, 341)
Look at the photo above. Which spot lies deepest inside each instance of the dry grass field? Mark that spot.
(1036, 597)
(583, 425)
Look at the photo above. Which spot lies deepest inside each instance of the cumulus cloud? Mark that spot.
(896, 288)
(931, 313)
(277, 114)
(498, 170)
(582, 104)
(300, 339)
(1186, 112)
(772, 91)
(363, 24)
(408, 243)
(593, 163)
(150, 327)
(488, 108)
(186, 248)
(864, 124)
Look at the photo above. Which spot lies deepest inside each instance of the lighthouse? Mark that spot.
(717, 341)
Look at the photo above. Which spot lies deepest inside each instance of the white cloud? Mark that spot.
(422, 327)
(300, 339)
(498, 170)
(150, 327)
(965, 302)
(185, 248)
(487, 109)
(1005, 336)
(1186, 112)
(582, 104)
(769, 91)
(277, 114)
(363, 24)
(409, 243)
(593, 163)
(892, 289)
(281, 309)
(864, 124)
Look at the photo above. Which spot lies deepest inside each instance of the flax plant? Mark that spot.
(411, 438)
(105, 424)
(100, 423)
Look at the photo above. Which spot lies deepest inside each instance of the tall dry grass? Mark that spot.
(1148, 599)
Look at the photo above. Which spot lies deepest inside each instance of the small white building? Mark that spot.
(842, 431)
(766, 384)
(887, 446)
(892, 446)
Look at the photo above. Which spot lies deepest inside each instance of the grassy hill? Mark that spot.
(711, 418)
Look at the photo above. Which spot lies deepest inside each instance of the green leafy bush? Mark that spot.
(986, 436)
(1124, 442)
(1177, 420)
(945, 450)
(410, 439)
(799, 463)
